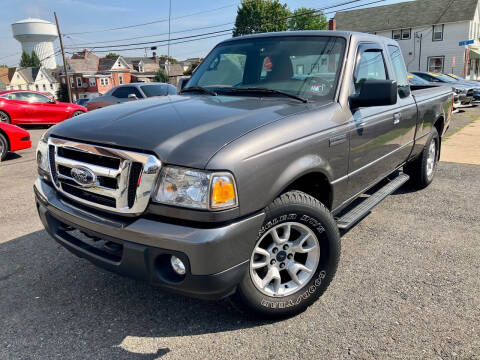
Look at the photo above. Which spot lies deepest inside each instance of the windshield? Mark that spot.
(158, 90)
(417, 80)
(444, 78)
(304, 66)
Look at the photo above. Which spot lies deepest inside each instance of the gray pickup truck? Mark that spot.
(241, 185)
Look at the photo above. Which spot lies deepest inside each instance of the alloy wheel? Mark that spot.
(284, 259)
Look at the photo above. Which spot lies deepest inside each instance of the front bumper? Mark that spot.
(216, 259)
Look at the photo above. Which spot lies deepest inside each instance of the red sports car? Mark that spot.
(31, 107)
(13, 138)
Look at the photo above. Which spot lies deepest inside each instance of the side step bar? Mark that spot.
(362, 209)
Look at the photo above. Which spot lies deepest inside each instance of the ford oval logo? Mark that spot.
(83, 176)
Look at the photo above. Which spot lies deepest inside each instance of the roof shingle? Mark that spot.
(406, 14)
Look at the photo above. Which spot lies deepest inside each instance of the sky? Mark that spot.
(85, 22)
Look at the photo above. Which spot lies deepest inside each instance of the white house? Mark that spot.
(33, 78)
(428, 31)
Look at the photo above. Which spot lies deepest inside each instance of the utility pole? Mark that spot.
(64, 62)
(168, 47)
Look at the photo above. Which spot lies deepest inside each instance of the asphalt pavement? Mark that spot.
(407, 287)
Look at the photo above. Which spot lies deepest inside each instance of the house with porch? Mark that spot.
(431, 33)
(33, 78)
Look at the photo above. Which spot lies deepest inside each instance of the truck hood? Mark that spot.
(181, 130)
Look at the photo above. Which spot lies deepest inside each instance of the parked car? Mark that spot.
(129, 92)
(460, 88)
(32, 107)
(416, 82)
(13, 138)
(239, 185)
(475, 84)
(82, 102)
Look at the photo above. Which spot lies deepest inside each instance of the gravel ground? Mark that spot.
(408, 286)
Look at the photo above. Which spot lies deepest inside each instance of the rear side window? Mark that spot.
(124, 91)
(370, 66)
(399, 71)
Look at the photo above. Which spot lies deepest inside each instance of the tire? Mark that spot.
(5, 118)
(77, 113)
(3, 147)
(283, 297)
(422, 169)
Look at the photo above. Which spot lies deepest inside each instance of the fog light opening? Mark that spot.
(177, 265)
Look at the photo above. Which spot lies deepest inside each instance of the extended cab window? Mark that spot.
(399, 71)
(370, 66)
(305, 66)
(124, 91)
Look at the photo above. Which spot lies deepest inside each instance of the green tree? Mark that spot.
(256, 16)
(307, 19)
(25, 60)
(163, 59)
(161, 76)
(112, 55)
(62, 93)
(34, 60)
(192, 67)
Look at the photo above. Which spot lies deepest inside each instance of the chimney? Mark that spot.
(332, 24)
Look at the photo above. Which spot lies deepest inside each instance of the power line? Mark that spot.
(196, 37)
(151, 22)
(226, 30)
(156, 41)
(152, 35)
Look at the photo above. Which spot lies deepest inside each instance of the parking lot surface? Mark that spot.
(407, 286)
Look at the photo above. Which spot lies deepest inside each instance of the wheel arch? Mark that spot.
(439, 124)
(308, 174)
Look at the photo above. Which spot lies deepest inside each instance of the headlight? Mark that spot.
(196, 189)
(460, 91)
(42, 156)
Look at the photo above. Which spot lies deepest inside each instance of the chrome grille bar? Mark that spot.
(92, 157)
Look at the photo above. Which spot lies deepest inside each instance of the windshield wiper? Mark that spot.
(199, 89)
(267, 91)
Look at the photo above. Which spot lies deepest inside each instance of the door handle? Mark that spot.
(396, 118)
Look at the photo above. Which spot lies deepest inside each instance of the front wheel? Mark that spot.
(77, 113)
(294, 259)
(4, 117)
(3, 147)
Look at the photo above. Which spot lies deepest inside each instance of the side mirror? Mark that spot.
(52, 101)
(132, 96)
(182, 82)
(375, 93)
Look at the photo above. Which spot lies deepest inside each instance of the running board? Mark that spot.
(362, 209)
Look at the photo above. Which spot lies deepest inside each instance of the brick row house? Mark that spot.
(91, 76)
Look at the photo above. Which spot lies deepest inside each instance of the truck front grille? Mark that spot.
(122, 180)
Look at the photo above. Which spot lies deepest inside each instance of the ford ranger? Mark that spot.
(241, 185)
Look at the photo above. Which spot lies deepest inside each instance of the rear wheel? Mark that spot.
(294, 259)
(4, 117)
(3, 147)
(77, 113)
(422, 170)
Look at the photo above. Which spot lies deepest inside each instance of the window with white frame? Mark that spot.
(437, 32)
(120, 79)
(406, 34)
(92, 81)
(71, 82)
(79, 82)
(396, 34)
(435, 64)
(44, 87)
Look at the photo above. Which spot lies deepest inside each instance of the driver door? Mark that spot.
(371, 139)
